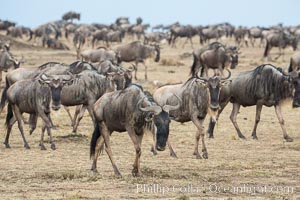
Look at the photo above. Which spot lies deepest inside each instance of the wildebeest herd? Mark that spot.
(100, 83)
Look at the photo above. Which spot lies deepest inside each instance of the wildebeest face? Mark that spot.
(296, 98)
(157, 49)
(234, 61)
(162, 124)
(56, 83)
(214, 88)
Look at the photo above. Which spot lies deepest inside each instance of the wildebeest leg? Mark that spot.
(106, 136)
(99, 147)
(80, 116)
(9, 127)
(32, 122)
(42, 146)
(136, 69)
(235, 110)
(172, 153)
(77, 111)
(257, 119)
(91, 112)
(146, 69)
(281, 122)
(190, 38)
(279, 53)
(137, 141)
(199, 124)
(185, 42)
(19, 119)
(69, 114)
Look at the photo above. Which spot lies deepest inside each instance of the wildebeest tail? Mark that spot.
(267, 49)
(3, 97)
(194, 66)
(96, 135)
(291, 66)
(9, 114)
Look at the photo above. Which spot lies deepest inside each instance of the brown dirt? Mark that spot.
(65, 173)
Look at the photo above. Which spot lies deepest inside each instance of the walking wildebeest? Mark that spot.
(280, 40)
(294, 62)
(98, 55)
(33, 96)
(71, 15)
(54, 43)
(138, 52)
(182, 31)
(199, 96)
(214, 56)
(255, 33)
(133, 111)
(264, 86)
(7, 60)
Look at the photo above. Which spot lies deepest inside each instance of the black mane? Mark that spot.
(269, 80)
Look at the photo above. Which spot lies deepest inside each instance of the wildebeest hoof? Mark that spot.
(53, 146)
(210, 136)
(254, 137)
(26, 146)
(153, 151)
(7, 145)
(288, 139)
(42, 146)
(205, 155)
(135, 172)
(242, 137)
(197, 155)
(94, 170)
(173, 154)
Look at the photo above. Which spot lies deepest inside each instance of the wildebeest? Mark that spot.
(99, 35)
(294, 63)
(214, 56)
(34, 96)
(255, 33)
(280, 40)
(18, 31)
(4, 25)
(71, 15)
(54, 43)
(264, 86)
(114, 36)
(240, 36)
(182, 31)
(209, 33)
(133, 111)
(154, 37)
(45, 30)
(137, 52)
(98, 55)
(7, 60)
(88, 86)
(199, 96)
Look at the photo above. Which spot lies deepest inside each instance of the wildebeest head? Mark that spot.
(161, 120)
(157, 50)
(294, 43)
(214, 85)
(233, 53)
(295, 78)
(56, 83)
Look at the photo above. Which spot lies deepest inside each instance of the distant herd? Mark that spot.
(100, 84)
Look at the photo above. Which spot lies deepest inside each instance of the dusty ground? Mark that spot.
(234, 166)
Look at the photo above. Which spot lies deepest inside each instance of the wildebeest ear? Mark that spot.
(225, 82)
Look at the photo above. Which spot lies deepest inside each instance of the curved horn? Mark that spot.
(44, 77)
(155, 109)
(168, 108)
(200, 78)
(229, 74)
(71, 75)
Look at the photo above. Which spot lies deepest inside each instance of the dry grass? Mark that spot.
(65, 173)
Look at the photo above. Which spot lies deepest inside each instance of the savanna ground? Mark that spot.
(65, 173)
